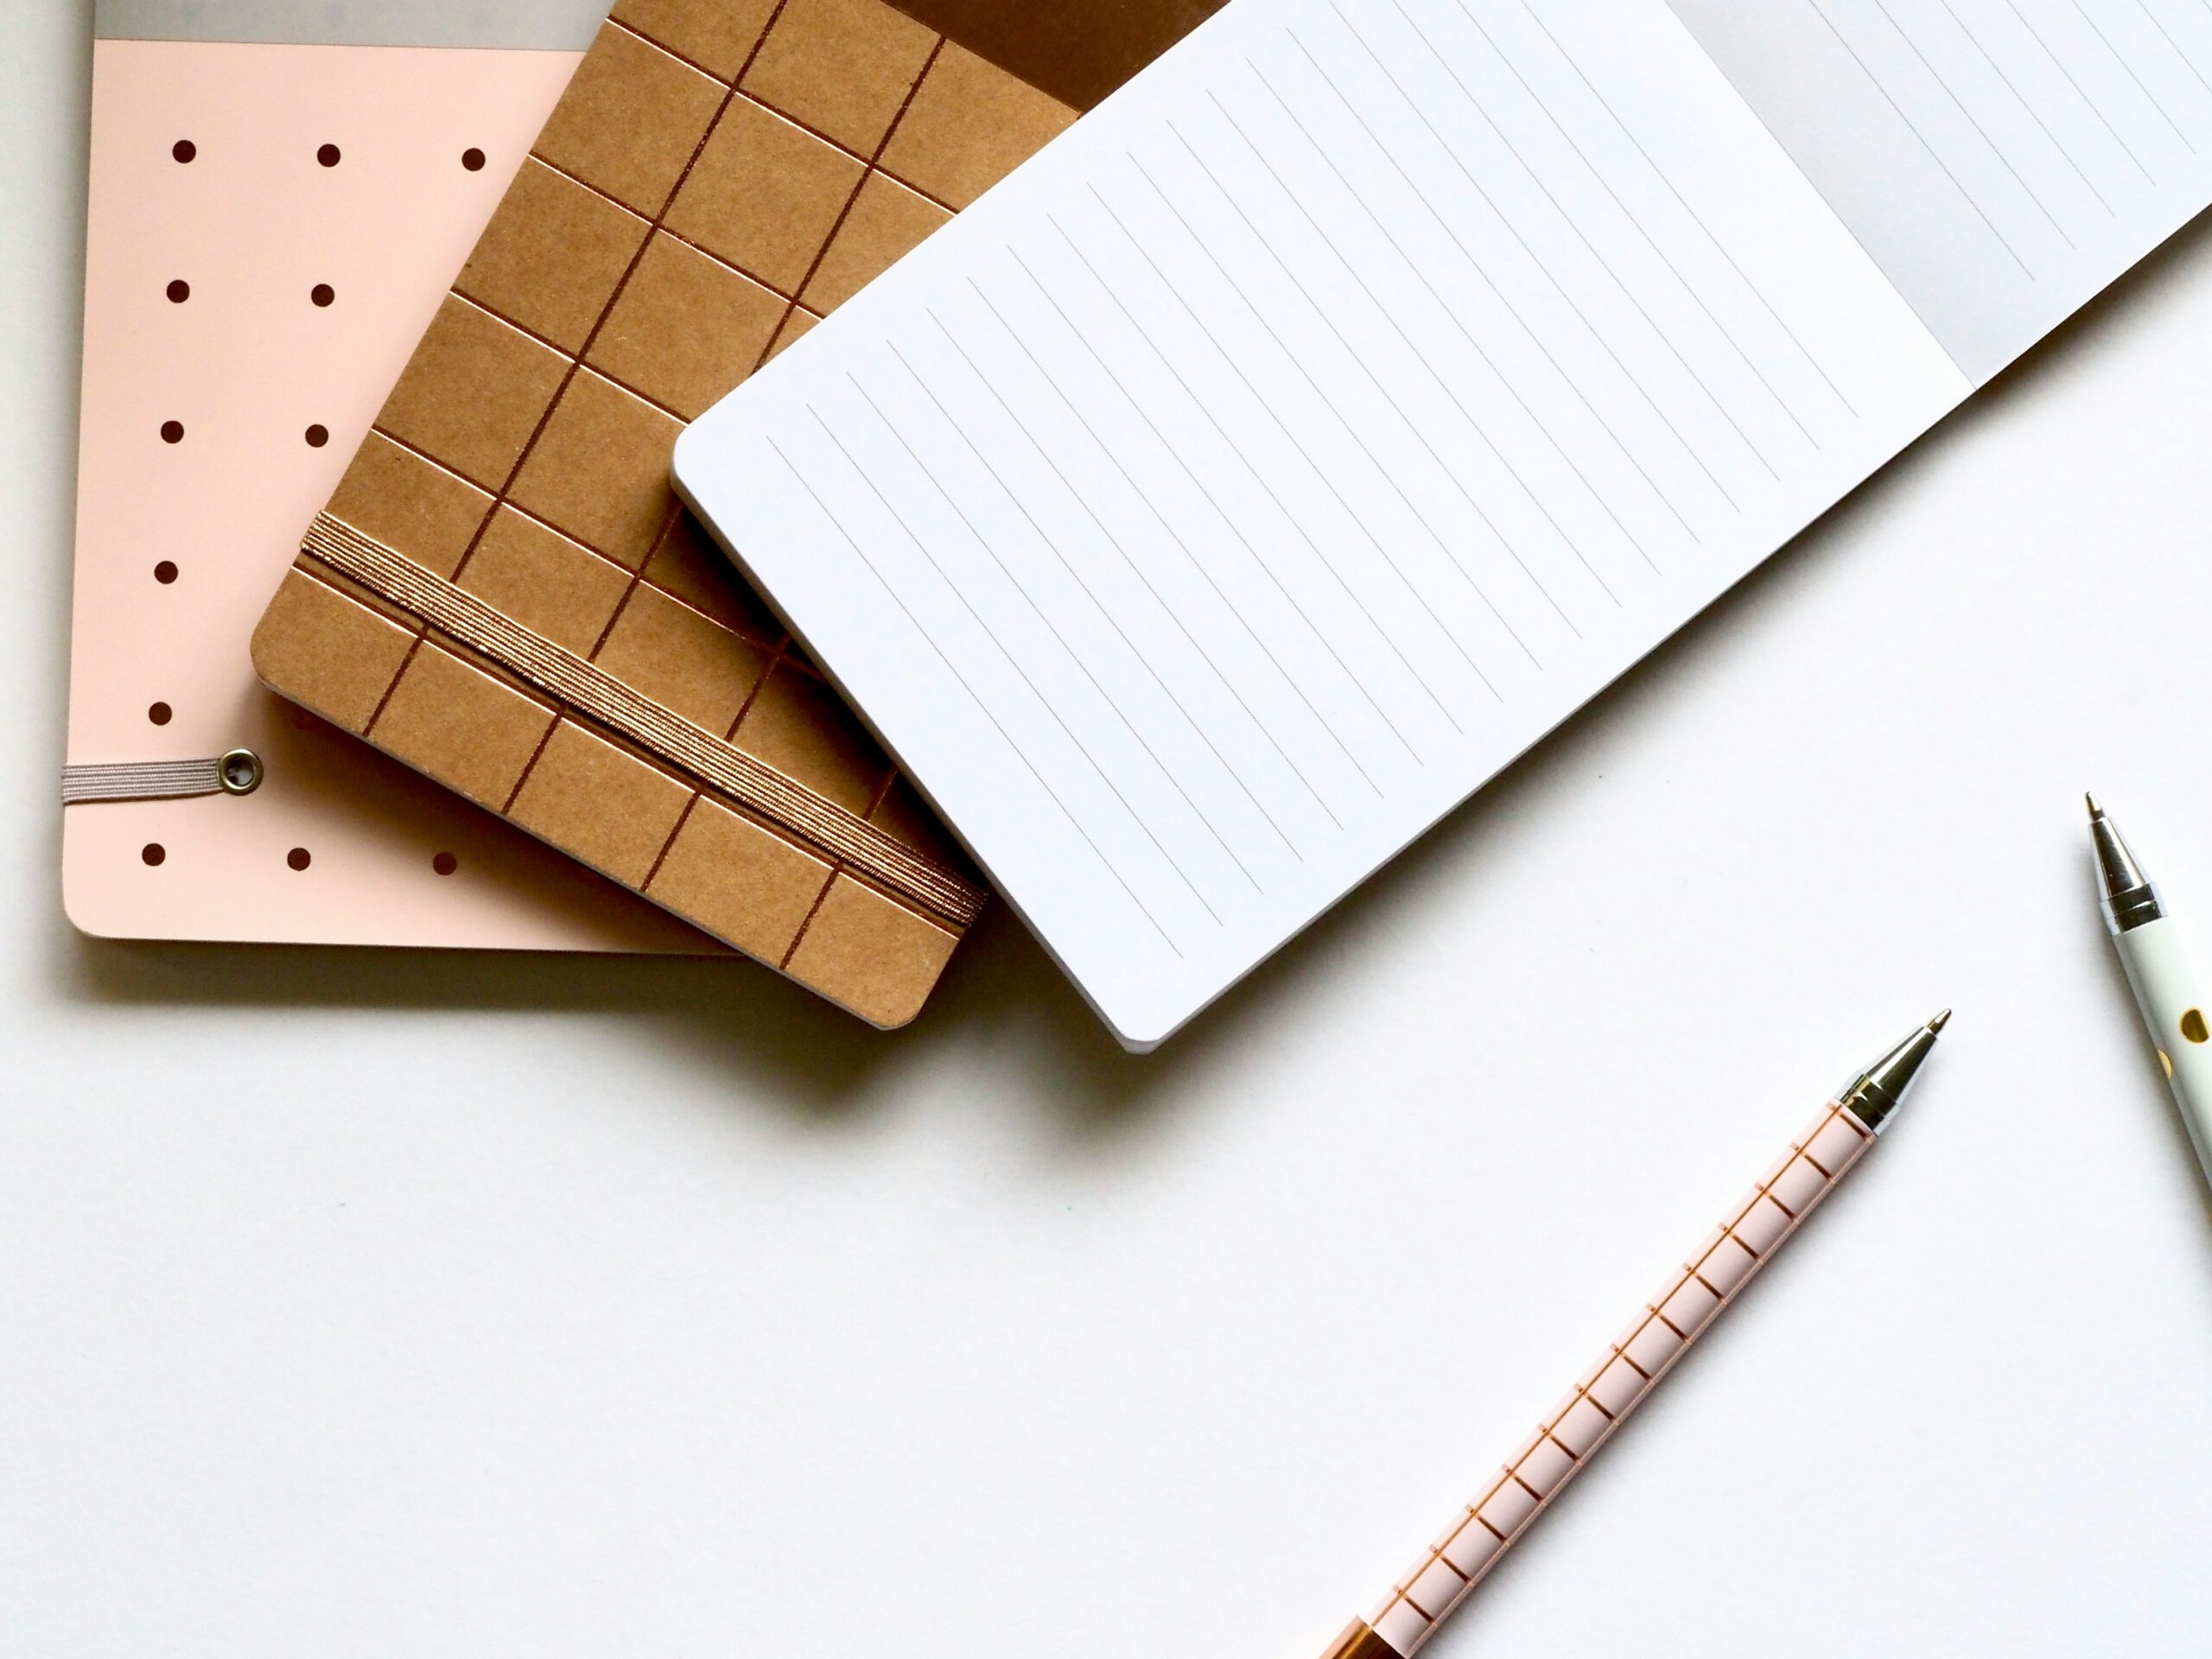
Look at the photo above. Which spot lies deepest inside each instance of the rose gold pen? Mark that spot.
(1661, 1333)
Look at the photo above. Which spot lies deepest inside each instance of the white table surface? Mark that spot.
(379, 1304)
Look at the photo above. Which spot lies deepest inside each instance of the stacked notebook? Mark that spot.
(1193, 515)
(815, 141)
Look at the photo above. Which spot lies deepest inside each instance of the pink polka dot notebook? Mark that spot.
(273, 222)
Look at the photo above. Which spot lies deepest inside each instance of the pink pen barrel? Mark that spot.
(1714, 1274)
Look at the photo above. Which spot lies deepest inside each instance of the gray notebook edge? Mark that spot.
(533, 25)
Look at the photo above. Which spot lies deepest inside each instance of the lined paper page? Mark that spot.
(1217, 504)
(2003, 160)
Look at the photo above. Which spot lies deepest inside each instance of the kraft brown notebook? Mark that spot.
(504, 593)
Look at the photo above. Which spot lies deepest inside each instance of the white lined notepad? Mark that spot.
(1210, 509)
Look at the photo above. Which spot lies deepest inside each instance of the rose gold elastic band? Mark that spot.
(589, 690)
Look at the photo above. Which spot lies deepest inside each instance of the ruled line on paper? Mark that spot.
(1167, 611)
(982, 705)
(1557, 287)
(1582, 235)
(1173, 534)
(1481, 269)
(1298, 365)
(2027, 105)
(1052, 708)
(1926, 143)
(1350, 430)
(2088, 102)
(1214, 420)
(1052, 625)
(1292, 359)
(1105, 613)
(1458, 323)
(1389, 318)
(1121, 386)
(1959, 103)
(2025, 108)
(1366, 371)
(2174, 47)
(1641, 228)
(2133, 74)
(1704, 228)
(1397, 247)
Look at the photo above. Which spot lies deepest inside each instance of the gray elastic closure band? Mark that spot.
(239, 772)
(539, 25)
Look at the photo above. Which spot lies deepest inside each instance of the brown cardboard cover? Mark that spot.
(503, 591)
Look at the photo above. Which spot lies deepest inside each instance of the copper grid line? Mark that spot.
(875, 805)
(683, 58)
(611, 379)
(777, 656)
(761, 641)
(424, 455)
(580, 361)
(660, 540)
(576, 362)
(812, 911)
(579, 358)
(812, 131)
(874, 165)
(414, 649)
(697, 247)
(560, 713)
(668, 845)
(576, 359)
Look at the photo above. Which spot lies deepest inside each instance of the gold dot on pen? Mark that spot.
(2193, 1026)
(2166, 1061)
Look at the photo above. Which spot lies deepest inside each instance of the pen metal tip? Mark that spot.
(1941, 1020)
(2096, 811)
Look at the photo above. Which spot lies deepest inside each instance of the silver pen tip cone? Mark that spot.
(2096, 811)
(1941, 1020)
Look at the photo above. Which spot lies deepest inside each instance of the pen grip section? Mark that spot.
(1706, 1282)
(2174, 1008)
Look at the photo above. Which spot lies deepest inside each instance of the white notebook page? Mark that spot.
(2002, 160)
(1213, 507)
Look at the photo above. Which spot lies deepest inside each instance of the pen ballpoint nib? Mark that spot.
(1877, 1092)
(2126, 894)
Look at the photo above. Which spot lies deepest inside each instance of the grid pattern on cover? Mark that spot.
(720, 176)
(1660, 1335)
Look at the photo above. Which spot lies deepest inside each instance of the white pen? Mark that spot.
(2165, 983)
